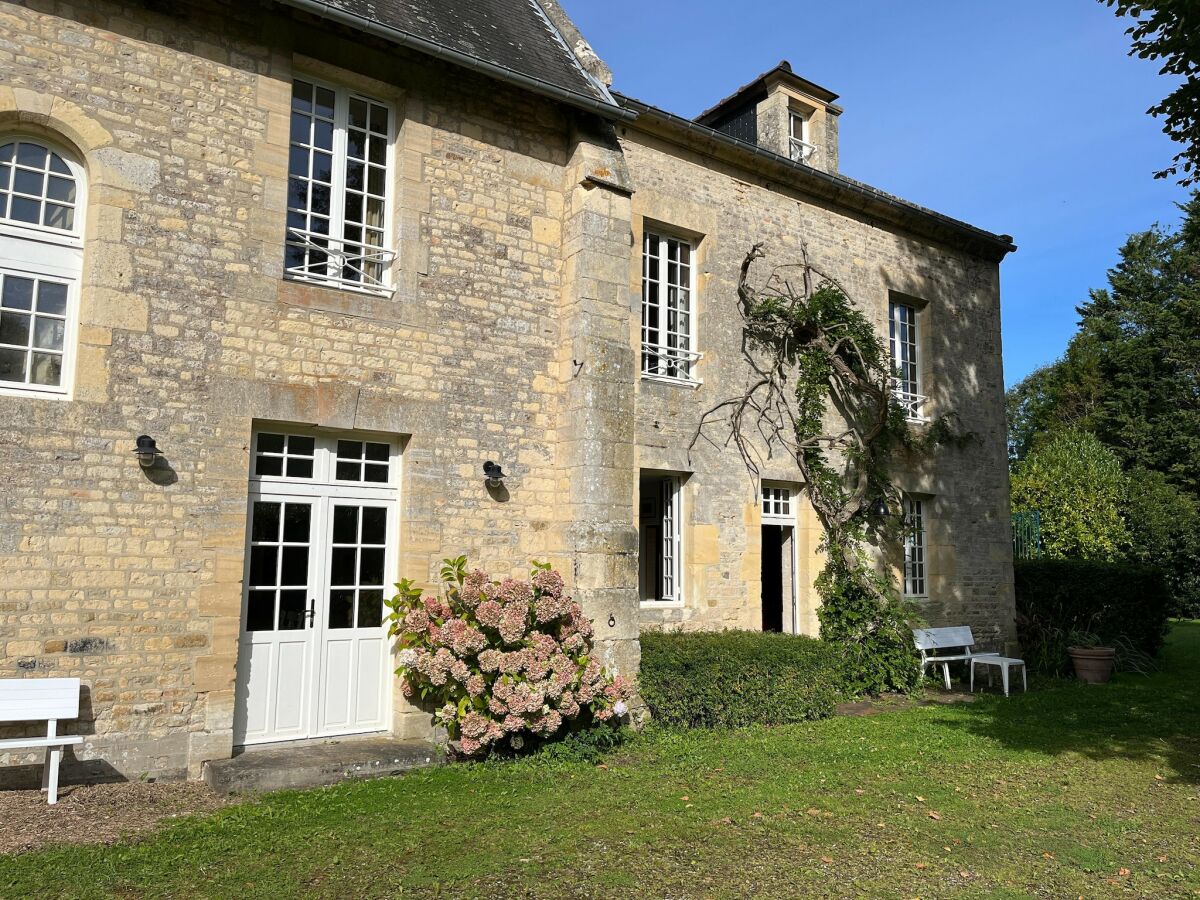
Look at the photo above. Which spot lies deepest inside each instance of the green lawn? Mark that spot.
(1069, 791)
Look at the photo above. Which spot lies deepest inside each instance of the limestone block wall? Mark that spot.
(726, 210)
(190, 334)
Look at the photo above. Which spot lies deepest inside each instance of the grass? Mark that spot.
(1067, 791)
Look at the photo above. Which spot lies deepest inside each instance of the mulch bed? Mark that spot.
(97, 813)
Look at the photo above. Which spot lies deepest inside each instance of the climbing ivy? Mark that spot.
(821, 392)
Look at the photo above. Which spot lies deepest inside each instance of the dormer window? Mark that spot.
(799, 147)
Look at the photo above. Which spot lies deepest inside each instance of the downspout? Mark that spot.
(323, 9)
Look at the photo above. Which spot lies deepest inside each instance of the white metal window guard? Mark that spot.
(908, 401)
(354, 257)
(668, 360)
(802, 151)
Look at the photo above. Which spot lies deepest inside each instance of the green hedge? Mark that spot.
(735, 678)
(1116, 601)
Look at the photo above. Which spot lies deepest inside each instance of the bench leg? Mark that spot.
(1024, 678)
(972, 665)
(46, 769)
(52, 784)
(1004, 678)
(946, 674)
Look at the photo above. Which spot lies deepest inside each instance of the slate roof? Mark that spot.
(514, 35)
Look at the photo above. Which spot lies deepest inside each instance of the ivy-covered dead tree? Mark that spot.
(820, 392)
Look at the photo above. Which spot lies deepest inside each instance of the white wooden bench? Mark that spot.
(931, 641)
(41, 700)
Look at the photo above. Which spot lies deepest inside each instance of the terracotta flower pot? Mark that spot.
(1093, 665)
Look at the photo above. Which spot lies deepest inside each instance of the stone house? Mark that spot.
(331, 257)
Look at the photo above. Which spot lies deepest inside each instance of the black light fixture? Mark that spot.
(493, 473)
(147, 451)
(880, 507)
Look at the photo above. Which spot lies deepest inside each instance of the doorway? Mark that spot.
(772, 578)
(321, 547)
(778, 582)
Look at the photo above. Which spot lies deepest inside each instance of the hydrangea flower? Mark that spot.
(502, 660)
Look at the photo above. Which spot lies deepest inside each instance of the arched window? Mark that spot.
(41, 256)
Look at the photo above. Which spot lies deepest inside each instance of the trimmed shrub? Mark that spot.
(735, 678)
(1118, 602)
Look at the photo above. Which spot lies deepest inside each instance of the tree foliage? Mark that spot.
(1169, 31)
(1131, 377)
(1078, 486)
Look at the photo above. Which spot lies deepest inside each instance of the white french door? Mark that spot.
(321, 550)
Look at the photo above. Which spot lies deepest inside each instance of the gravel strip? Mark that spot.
(97, 813)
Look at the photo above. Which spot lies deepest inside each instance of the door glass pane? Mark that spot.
(260, 611)
(370, 565)
(342, 566)
(295, 522)
(341, 608)
(263, 561)
(266, 522)
(345, 524)
(292, 610)
(370, 608)
(294, 568)
(374, 525)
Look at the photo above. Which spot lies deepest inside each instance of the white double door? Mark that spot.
(313, 659)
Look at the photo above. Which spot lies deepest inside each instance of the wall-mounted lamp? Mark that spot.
(147, 451)
(493, 473)
(880, 508)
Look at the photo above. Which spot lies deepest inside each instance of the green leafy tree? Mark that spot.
(1169, 31)
(1077, 485)
(1131, 374)
(1164, 531)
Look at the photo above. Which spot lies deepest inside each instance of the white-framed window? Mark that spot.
(668, 320)
(294, 455)
(799, 148)
(42, 199)
(340, 173)
(661, 541)
(777, 503)
(915, 548)
(904, 343)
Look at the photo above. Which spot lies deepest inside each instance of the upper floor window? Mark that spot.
(799, 147)
(915, 549)
(906, 360)
(339, 188)
(41, 257)
(667, 318)
(776, 502)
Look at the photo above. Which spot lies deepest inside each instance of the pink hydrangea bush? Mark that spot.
(502, 661)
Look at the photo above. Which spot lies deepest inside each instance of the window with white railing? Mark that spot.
(799, 149)
(668, 338)
(906, 362)
(339, 188)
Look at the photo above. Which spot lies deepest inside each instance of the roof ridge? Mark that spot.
(561, 40)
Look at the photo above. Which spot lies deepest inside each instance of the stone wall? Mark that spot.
(726, 210)
(190, 334)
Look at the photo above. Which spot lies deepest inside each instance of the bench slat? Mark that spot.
(933, 638)
(60, 741)
(33, 699)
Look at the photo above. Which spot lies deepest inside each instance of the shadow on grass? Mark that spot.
(1133, 717)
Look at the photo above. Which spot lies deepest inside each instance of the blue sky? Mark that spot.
(1025, 117)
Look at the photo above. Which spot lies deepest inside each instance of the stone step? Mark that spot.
(312, 764)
